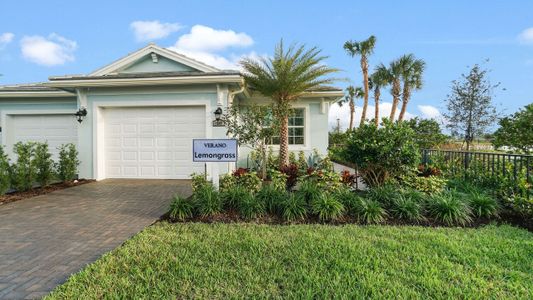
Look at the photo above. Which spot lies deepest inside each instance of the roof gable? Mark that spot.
(148, 59)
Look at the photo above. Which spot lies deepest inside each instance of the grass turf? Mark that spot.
(194, 260)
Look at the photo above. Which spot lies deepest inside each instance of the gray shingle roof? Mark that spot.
(146, 75)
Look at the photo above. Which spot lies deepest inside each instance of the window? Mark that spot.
(296, 128)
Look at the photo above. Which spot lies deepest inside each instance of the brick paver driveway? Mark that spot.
(46, 238)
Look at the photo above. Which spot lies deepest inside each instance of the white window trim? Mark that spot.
(307, 131)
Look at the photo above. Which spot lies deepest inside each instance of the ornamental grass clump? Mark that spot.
(483, 205)
(327, 207)
(272, 196)
(250, 207)
(408, 209)
(180, 209)
(309, 190)
(231, 196)
(293, 208)
(448, 207)
(207, 201)
(385, 194)
(370, 211)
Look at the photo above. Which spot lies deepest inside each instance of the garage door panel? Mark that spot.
(160, 137)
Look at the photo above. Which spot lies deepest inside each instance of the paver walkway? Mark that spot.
(46, 238)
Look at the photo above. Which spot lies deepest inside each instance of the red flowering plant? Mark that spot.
(240, 172)
(292, 172)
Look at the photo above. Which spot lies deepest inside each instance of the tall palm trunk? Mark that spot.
(405, 99)
(352, 113)
(377, 94)
(395, 98)
(283, 141)
(364, 68)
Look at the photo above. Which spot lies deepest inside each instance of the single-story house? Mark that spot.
(142, 112)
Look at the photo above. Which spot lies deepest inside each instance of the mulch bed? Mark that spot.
(15, 196)
(233, 217)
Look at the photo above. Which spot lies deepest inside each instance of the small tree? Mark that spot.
(427, 132)
(67, 167)
(251, 125)
(23, 171)
(516, 130)
(44, 164)
(5, 178)
(470, 108)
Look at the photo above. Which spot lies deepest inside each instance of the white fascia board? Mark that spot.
(110, 82)
(28, 94)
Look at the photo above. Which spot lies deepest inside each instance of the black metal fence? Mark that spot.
(514, 167)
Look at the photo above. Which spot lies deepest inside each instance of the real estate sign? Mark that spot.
(214, 150)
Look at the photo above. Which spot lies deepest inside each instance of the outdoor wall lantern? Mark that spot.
(218, 113)
(80, 114)
(217, 122)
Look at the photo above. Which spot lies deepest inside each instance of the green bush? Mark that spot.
(231, 197)
(429, 185)
(327, 180)
(198, 182)
(381, 152)
(370, 211)
(44, 164)
(408, 209)
(250, 207)
(23, 171)
(327, 207)
(207, 201)
(413, 194)
(449, 208)
(483, 205)
(309, 190)
(180, 209)
(67, 167)
(350, 200)
(227, 182)
(385, 194)
(293, 207)
(277, 179)
(5, 177)
(250, 181)
(272, 196)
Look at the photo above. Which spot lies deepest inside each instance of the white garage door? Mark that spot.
(54, 129)
(152, 142)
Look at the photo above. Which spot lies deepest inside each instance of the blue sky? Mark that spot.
(43, 38)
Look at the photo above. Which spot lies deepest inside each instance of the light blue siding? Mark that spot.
(145, 65)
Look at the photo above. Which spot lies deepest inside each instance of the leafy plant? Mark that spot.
(232, 196)
(448, 207)
(249, 180)
(302, 161)
(277, 179)
(23, 171)
(516, 130)
(272, 196)
(327, 207)
(350, 200)
(293, 208)
(180, 208)
(291, 171)
(370, 211)
(309, 190)
(385, 194)
(406, 208)
(207, 200)
(250, 207)
(428, 185)
(483, 205)
(328, 181)
(227, 182)
(67, 167)
(44, 164)
(5, 177)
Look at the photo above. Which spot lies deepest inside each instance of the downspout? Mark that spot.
(231, 95)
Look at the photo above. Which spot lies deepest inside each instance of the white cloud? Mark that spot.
(153, 30)
(343, 113)
(6, 38)
(206, 39)
(48, 51)
(429, 112)
(205, 44)
(526, 36)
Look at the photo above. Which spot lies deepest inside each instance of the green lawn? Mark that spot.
(311, 261)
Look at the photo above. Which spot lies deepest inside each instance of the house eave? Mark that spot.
(36, 94)
(119, 82)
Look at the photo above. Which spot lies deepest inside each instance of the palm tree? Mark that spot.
(284, 78)
(396, 73)
(379, 79)
(363, 49)
(412, 70)
(352, 93)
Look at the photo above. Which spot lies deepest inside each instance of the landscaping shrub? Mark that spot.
(44, 164)
(385, 194)
(309, 190)
(448, 207)
(198, 182)
(227, 182)
(232, 196)
(291, 171)
(180, 209)
(67, 167)
(428, 185)
(5, 177)
(350, 200)
(381, 152)
(327, 207)
(23, 171)
(250, 207)
(277, 179)
(207, 201)
(413, 194)
(248, 180)
(408, 209)
(482, 204)
(272, 196)
(370, 211)
(293, 207)
(302, 161)
(328, 181)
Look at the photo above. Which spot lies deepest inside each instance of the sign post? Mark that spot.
(215, 151)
